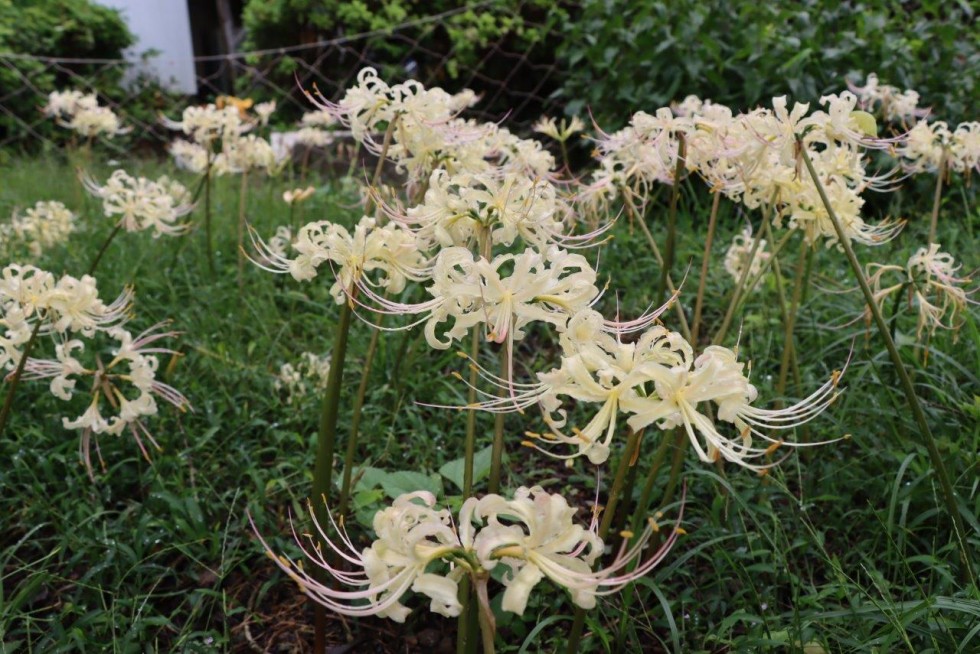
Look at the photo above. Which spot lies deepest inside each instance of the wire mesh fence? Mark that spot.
(516, 75)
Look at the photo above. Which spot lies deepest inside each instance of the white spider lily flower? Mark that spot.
(931, 277)
(471, 290)
(893, 103)
(716, 376)
(309, 376)
(319, 118)
(245, 153)
(547, 126)
(68, 304)
(126, 386)
(457, 209)
(533, 534)
(389, 249)
(41, 227)
(65, 104)
(964, 148)
(596, 368)
(95, 122)
(844, 123)
(264, 111)
(143, 204)
(737, 256)
(189, 156)
(207, 123)
(411, 535)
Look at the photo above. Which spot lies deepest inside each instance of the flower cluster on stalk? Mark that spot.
(68, 311)
(933, 284)
(39, 228)
(81, 113)
(419, 547)
(143, 204)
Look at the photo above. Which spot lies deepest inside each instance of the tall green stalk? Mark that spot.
(615, 494)
(743, 278)
(207, 212)
(705, 260)
(497, 448)
(672, 220)
(355, 423)
(469, 444)
(905, 381)
(938, 196)
(242, 195)
(789, 350)
(8, 401)
(682, 318)
(326, 442)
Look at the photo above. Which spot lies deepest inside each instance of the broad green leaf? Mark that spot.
(453, 470)
(406, 481)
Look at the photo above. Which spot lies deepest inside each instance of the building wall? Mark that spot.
(164, 26)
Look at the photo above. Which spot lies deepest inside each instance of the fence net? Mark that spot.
(515, 73)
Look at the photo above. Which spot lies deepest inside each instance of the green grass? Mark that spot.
(843, 548)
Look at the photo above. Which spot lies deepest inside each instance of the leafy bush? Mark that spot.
(626, 54)
(78, 29)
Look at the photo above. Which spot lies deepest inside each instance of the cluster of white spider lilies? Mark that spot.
(487, 231)
(68, 310)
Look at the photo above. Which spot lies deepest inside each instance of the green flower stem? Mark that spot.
(326, 440)
(681, 442)
(685, 328)
(8, 401)
(242, 195)
(789, 349)
(355, 423)
(497, 449)
(615, 493)
(483, 245)
(896, 307)
(655, 465)
(699, 302)
(743, 278)
(937, 198)
(105, 246)
(906, 382)
(469, 450)
(784, 311)
(675, 193)
(487, 623)
(207, 213)
(467, 620)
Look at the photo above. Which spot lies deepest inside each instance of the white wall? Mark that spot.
(162, 25)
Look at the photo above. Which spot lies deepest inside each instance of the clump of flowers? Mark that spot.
(122, 390)
(82, 113)
(737, 256)
(43, 226)
(930, 277)
(143, 204)
(657, 380)
(421, 548)
(892, 103)
(308, 377)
